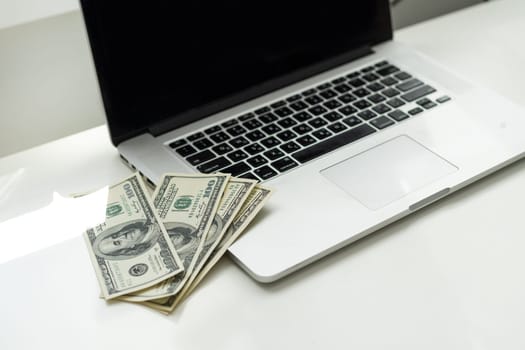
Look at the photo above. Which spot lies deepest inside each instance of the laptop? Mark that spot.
(351, 129)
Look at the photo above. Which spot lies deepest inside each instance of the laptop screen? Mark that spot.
(178, 61)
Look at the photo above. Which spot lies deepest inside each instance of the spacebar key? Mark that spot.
(333, 143)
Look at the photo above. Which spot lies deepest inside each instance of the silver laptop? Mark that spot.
(351, 129)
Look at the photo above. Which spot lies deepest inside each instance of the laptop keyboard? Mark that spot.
(280, 136)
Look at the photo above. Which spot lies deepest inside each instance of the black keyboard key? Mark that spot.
(286, 135)
(249, 176)
(268, 118)
(423, 101)
(332, 116)
(213, 165)
(195, 136)
(186, 150)
(347, 98)
(262, 110)
(387, 70)
(338, 81)
(265, 172)
(201, 157)
(283, 112)
(367, 69)
(219, 137)
(317, 122)
(270, 142)
(302, 116)
(328, 94)
(203, 144)
(357, 82)
(395, 102)
(247, 116)
(229, 123)
(177, 143)
(212, 130)
(236, 130)
(381, 64)
(390, 92)
(271, 129)
(255, 135)
(239, 142)
(361, 92)
(317, 110)
(429, 105)
(332, 104)
(313, 100)
(389, 81)
(323, 86)
(415, 111)
(302, 129)
(274, 154)
(257, 161)
(362, 104)
(333, 143)
(278, 104)
(382, 122)
(337, 127)
(287, 123)
(443, 99)
(376, 98)
(381, 108)
(306, 140)
(309, 92)
(367, 115)
(342, 88)
(347, 110)
(398, 115)
(298, 106)
(402, 76)
(352, 121)
(237, 169)
(252, 124)
(290, 147)
(254, 149)
(322, 133)
(370, 77)
(294, 98)
(375, 87)
(409, 84)
(284, 164)
(222, 148)
(353, 75)
(237, 155)
(418, 93)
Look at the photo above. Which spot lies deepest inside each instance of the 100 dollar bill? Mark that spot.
(235, 194)
(186, 205)
(131, 250)
(253, 204)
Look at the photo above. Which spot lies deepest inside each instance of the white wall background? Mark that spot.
(406, 12)
(13, 12)
(48, 87)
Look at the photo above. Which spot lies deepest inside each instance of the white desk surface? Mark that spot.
(448, 277)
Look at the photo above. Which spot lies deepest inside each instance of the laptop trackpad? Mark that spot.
(389, 171)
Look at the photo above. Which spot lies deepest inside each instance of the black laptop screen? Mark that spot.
(178, 61)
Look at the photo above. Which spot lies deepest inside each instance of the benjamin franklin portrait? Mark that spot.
(126, 240)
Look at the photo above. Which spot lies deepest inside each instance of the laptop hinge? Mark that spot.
(171, 123)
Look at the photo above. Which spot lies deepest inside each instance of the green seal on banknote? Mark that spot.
(138, 269)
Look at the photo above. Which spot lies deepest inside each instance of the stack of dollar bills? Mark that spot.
(156, 250)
